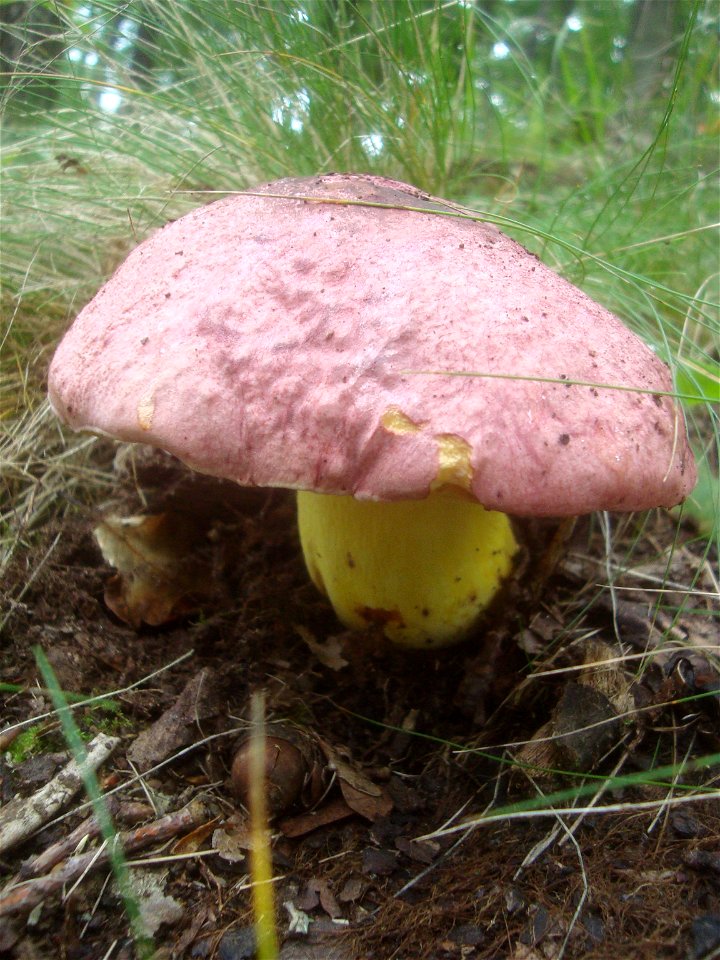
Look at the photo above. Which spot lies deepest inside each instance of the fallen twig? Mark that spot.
(89, 829)
(19, 898)
(127, 812)
(20, 818)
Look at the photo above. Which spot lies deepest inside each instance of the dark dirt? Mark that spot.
(380, 730)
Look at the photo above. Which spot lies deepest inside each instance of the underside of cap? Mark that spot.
(309, 334)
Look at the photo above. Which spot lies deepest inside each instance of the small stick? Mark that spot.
(89, 829)
(23, 897)
(23, 816)
(123, 811)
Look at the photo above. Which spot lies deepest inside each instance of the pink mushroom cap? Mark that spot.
(305, 335)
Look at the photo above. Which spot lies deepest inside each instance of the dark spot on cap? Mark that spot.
(564, 439)
(657, 400)
(350, 561)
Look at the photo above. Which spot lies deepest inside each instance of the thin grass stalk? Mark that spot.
(261, 867)
(116, 856)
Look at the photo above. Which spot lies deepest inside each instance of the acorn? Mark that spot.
(293, 770)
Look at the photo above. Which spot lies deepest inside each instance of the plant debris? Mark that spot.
(370, 750)
(23, 816)
(160, 575)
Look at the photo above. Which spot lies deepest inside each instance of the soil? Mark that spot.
(375, 751)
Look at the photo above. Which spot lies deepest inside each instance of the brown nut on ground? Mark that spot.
(292, 770)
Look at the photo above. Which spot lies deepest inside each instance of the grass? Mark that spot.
(619, 197)
(542, 127)
(94, 792)
(261, 863)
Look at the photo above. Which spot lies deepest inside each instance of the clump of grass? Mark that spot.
(450, 98)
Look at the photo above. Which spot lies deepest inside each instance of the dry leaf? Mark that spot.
(319, 889)
(158, 571)
(233, 839)
(193, 841)
(329, 654)
(330, 812)
(360, 793)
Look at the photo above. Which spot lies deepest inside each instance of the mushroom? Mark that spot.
(308, 334)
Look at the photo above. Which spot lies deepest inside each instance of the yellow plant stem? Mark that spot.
(260, 855)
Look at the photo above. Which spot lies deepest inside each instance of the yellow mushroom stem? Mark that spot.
(423, 570)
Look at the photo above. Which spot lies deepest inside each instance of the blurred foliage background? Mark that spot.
(588, 129)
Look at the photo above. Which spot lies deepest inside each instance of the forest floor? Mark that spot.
(379, 748)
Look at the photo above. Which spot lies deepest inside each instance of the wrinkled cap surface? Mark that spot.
(282, 337)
